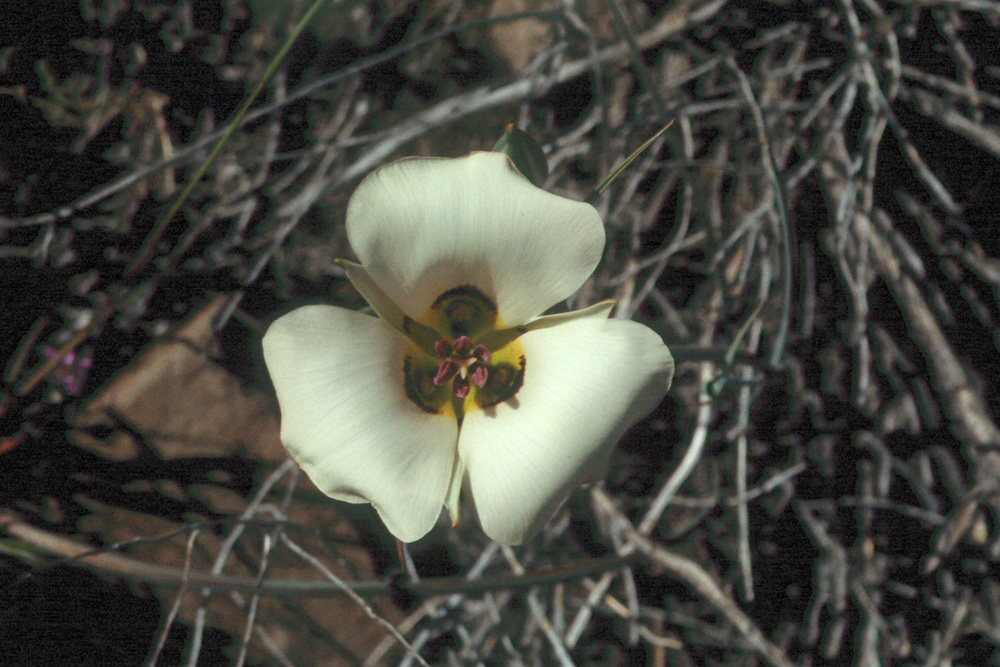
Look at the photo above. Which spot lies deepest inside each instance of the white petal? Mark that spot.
(586, 381)
(346, 420)
(422, 226)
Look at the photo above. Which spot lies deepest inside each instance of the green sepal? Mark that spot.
(525, 153)
(452, 500)
(385, 308)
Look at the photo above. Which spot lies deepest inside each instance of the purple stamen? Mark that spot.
(443, 349)
(482, 354)
(463, 345)
(446, 371)
(479, 375)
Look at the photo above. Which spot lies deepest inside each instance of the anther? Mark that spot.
(443, 348)
(482, 354)
(479, 375)
(446, 371)
(463, 346)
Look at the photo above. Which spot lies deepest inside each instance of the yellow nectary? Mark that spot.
(464, 372)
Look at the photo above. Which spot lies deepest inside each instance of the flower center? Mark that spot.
(463, 361)
(474, 364)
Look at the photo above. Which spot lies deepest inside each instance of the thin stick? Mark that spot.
(358, 600)
(692, 574)
(691, 456)
(161, 640)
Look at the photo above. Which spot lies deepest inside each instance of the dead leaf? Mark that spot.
(308, 630)
(518, 42)
(180, 403)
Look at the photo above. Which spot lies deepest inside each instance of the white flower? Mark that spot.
(458, 377)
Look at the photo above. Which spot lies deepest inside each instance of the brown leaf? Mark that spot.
(308, 630)
(517, 42)
(180, 403)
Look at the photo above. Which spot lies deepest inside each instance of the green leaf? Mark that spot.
(525, 153)
(717, 384)
(592, 197)
(324, 26)
(145, 251)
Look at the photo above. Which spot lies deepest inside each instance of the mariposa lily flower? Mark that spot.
(459, 378)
